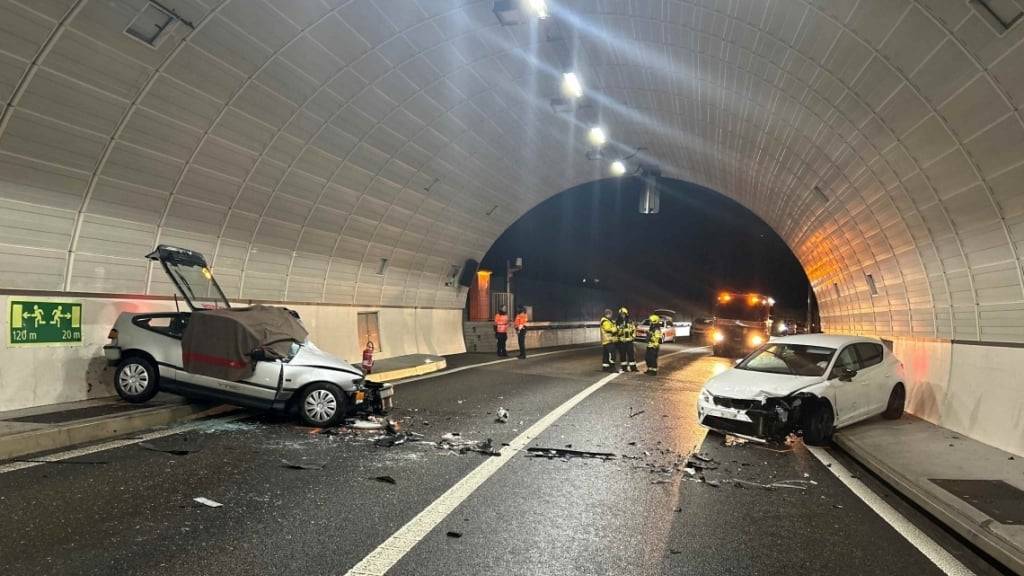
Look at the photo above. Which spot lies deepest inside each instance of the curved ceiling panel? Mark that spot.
(357, 151)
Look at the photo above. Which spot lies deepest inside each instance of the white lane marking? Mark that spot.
(86, 450)
(930, 548)
(385, 556)
(482, 364)
(492, 362)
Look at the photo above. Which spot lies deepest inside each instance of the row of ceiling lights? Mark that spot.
(572, 87)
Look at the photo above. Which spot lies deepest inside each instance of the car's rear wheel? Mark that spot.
(323, 405)
(819, 425)
(897, 402)
(136, 379)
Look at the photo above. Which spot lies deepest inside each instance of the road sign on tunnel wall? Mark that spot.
(44, 323)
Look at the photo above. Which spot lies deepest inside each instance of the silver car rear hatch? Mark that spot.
(192, 277)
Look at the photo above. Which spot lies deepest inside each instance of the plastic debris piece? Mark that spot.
(690, 471)
(453, 534)
(207, 502)
(176, 451)
(391, 440)
(303, 465)
(568, 452)
(713, 483)
(635, 414)
(731, 440)
(674, 551)
(361, 424)
(703, 457)
(501, 415)
(385, 479)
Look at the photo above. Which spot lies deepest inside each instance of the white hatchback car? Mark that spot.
(811, 383)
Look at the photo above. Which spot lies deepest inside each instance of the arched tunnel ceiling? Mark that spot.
(299, 142)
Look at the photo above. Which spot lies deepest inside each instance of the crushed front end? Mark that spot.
(768, 418)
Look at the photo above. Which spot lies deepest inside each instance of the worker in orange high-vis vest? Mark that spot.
(521, 320)
(501, 331)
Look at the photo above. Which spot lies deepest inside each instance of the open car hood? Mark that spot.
(750, 385)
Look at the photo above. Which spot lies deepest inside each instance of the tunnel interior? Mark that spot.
(339, 154)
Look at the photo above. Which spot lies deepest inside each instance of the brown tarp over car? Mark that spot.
(220, 343)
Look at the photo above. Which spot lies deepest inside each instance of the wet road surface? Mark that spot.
(130, 510)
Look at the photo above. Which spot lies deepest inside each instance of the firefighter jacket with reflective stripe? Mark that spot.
(609, 331)
(627, 331)
(501, 323)
(654, 337)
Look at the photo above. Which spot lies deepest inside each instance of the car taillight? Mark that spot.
(112, 334)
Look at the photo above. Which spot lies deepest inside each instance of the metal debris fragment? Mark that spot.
(568, 453)
(207, 502)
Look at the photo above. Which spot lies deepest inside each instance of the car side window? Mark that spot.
(870, 354)
(847, 359)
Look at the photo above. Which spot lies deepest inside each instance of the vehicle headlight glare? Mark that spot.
(756, 340)
(718, 336)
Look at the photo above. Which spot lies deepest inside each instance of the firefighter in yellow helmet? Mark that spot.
(653, 345)
(609, 340)
(627, 333)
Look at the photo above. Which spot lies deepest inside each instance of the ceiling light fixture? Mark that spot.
(596, 136)
(571, 86)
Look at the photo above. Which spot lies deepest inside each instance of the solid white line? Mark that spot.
(84, 451)
(385, 556)
(930, 548)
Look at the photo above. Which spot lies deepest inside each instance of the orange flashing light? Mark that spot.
(724, 297)
(483, 273)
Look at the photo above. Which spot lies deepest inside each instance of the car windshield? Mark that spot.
(795, 359)
(742, 309)
(197, 285)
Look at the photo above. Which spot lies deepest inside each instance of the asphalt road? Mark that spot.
(130, 510)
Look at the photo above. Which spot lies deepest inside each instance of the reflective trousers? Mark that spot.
(627, 356)
(502, 343)
(608, 355)
(652, 360)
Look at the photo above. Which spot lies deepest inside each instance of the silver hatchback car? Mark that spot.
(256, 357)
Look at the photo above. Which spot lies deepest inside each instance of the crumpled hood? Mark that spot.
(750, 385)
(310, 355)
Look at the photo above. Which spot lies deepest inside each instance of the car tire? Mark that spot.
(819, 425)
(897, 402)
(136, 379)
(323, 405)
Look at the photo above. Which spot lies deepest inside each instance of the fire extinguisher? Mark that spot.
(368, 358)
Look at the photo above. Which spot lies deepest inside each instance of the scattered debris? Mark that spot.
(501, 416)
(703, 457)
(207, 502)
(674, 551)
(713, 483)
(567, 453)
(839, 506)
(182, 451)
(303, 465)
(731, 440)
(678, 510)
(634, 414)
(385, 479)
(632, 443)
(453, 534)
(368, 424)
(453, 441)
(701, 464)
(391, 440)
(661, 481)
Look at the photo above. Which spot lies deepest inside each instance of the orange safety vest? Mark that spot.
(501, 323)
(520, 320)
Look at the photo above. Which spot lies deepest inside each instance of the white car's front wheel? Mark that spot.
(323, 405)
(136, 379)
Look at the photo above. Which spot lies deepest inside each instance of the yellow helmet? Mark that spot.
(655, 318)
(623, 311)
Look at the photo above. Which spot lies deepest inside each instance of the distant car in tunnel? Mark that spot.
(668, 327)
(810, 384)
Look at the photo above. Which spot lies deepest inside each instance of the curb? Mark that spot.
(402, 373)
(999, 548)
(103, 428)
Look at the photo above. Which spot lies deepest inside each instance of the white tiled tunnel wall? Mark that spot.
(298, 143)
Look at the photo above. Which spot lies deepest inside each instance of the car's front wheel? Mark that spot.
(819, 425)
(136, 379)
(897, 402)
(323, 405)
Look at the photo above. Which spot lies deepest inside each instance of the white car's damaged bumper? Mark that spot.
(759, 419)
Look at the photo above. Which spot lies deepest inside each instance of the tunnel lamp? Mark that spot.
(538, 7)
(756, 340)
(596, 136)
(617, 168)
(571, 86)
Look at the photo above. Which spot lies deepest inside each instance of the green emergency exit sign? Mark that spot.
(44, 323)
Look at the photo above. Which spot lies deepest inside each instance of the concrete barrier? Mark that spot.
(480, 335)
